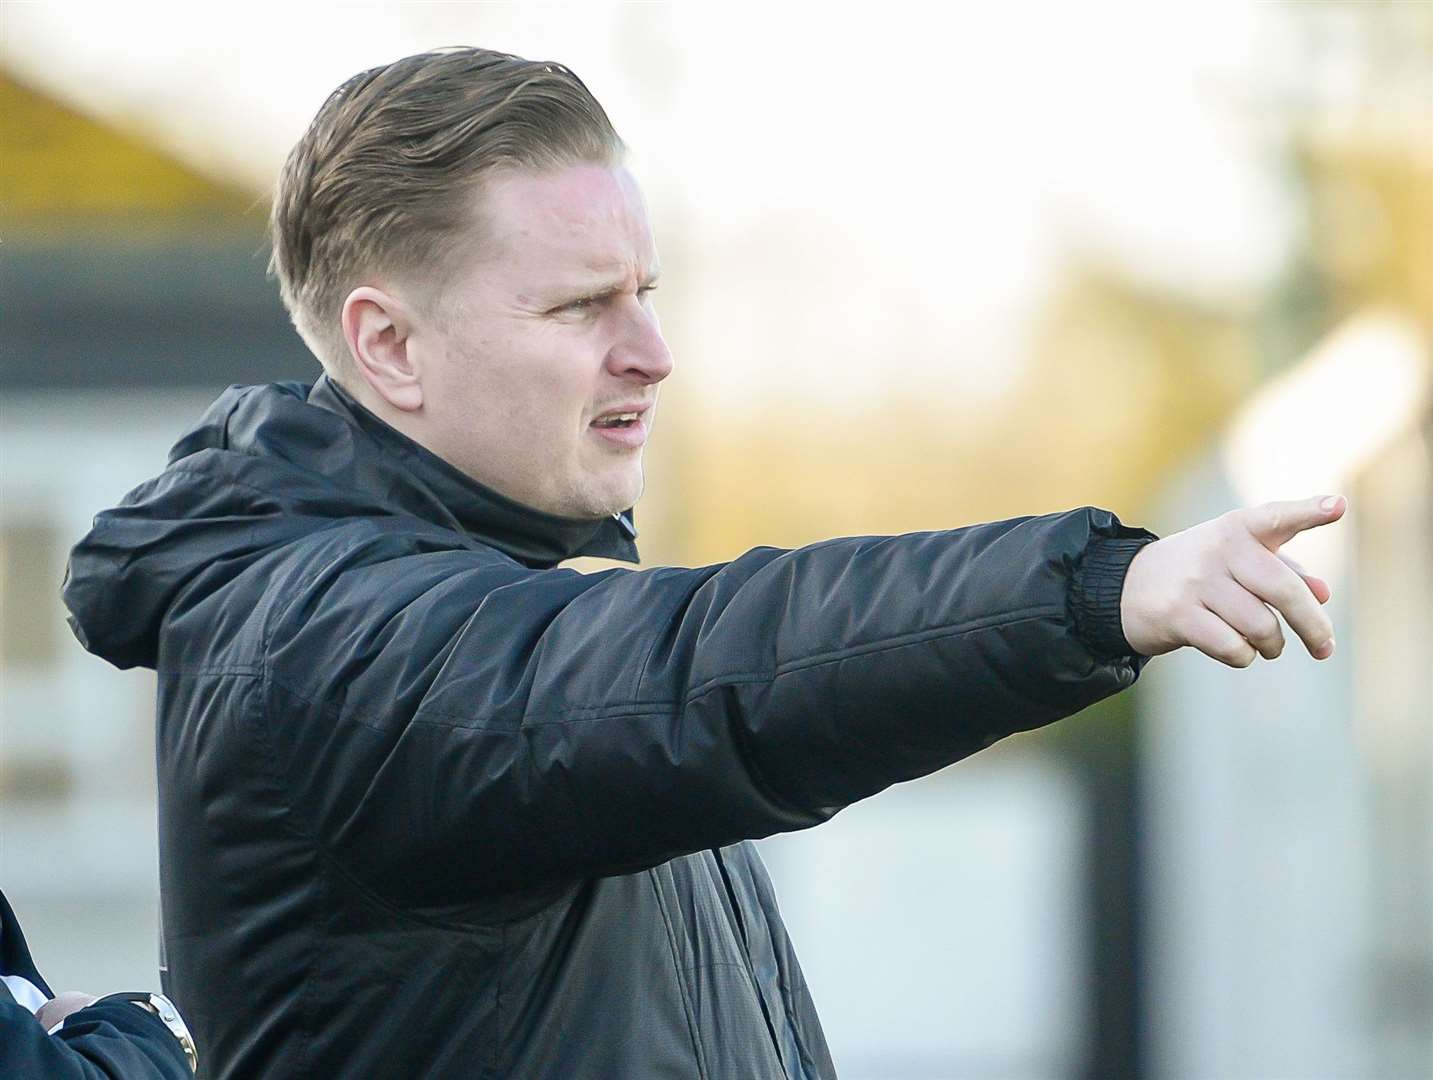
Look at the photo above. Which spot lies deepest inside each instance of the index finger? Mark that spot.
(1274, 524)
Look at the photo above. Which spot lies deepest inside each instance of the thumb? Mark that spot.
(1274, 524)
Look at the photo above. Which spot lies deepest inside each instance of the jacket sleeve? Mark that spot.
(107, 1041)
(453, 726)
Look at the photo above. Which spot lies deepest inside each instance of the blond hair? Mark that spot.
(385, 179)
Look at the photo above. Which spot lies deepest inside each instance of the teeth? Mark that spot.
(618, 419)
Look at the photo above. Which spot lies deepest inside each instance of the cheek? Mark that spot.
(557, 384)
(493, 379)
(538, 386)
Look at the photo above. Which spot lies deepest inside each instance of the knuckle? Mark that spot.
(1286, 597)
(1271, 648)
(1178, 605)
(1318, 630)
(1227, 652)
(1231, 527)
(1188, 631)
(1211, 568)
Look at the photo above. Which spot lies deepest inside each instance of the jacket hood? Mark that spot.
(267, 465)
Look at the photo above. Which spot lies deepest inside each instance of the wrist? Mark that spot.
(1096, 594)
(162, 1009)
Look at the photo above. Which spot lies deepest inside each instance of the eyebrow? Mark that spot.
(608, 280)
(609, 275)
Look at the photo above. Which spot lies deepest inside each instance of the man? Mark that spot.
(431, 806)
(127, 1036)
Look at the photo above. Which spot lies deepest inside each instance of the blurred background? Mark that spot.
(924, 266)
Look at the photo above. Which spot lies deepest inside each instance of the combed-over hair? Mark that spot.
(387, 175)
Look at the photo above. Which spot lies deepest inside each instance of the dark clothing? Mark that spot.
(109, 1040)
(432, 807)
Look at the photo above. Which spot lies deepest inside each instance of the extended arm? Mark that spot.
(505, 729)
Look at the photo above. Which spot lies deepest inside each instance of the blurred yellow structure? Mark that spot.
(65, 176)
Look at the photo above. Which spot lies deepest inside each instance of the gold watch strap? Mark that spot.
(163, 1008)
(160, 1006)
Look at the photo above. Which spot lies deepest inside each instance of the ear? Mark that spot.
(376, 326)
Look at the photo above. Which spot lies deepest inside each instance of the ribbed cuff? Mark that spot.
(1095, 595)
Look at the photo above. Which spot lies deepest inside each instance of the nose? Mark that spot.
(640, 352)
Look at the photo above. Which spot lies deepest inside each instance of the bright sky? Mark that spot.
(934, 160)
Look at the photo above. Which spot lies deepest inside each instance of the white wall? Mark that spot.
(941, 925)
(79, 864)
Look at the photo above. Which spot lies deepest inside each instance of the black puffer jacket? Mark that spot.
(431, 807)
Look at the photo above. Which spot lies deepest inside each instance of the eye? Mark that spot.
(575, 307)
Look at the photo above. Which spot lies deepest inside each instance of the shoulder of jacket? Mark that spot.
(377, 562)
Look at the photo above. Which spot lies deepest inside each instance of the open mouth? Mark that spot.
(617, 420)
(625, 428)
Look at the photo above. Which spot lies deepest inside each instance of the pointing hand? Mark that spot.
(1217, 585)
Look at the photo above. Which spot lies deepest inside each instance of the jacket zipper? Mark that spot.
(746, 953)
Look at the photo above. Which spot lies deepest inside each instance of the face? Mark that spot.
(540, 378)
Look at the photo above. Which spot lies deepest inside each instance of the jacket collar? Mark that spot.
(425, 485)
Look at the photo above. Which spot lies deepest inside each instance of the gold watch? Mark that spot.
(162, 1007)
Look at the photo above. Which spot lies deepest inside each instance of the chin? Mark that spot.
(616, 494)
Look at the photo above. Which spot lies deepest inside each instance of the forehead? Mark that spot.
(580, 218)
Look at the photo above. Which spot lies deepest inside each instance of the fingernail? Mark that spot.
(1326, 649)
(1329, 503)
